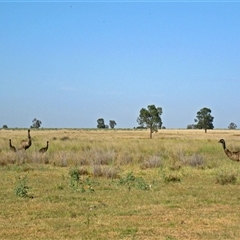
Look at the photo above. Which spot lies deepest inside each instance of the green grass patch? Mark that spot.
(119, 185)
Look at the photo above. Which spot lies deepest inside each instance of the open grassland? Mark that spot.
(119, 184)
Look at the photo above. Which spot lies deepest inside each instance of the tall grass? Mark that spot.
(100, 184)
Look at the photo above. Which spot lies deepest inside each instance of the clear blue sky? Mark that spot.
(70, 63)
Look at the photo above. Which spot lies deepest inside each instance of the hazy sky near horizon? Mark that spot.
(70, 63)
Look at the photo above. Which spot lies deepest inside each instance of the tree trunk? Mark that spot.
(151, 133)
(205, 130)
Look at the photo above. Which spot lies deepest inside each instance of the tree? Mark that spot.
(112, 123)
(232, 126)
(5, 126)
(191, 126)
(36, 123)
(100, 122)
(151, 118)
(204, 120)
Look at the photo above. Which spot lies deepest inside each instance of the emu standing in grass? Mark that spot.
(25, 144)
(44, 149)
(235, 156)
(11, 146)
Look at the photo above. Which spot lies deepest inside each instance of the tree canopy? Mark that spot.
(232, 126)
(101, 123)
(204, 120)
(112, 123)
(36, 123)
(150, 118)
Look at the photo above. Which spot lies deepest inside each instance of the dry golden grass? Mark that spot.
(179, 198)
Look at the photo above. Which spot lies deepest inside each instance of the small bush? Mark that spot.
(74, 177)
(21, 190)
(131, 181)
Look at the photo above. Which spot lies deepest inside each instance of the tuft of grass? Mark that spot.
(105, 171)
(171, 176)
(101, 208)
(124, 158)
(103, 157)
(151, 162)
(196, 160)
(65, 138)
(83, 171)
(224, 178)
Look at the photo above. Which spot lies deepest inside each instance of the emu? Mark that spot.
(44, 149)
(235, 156)
(25, 144)
(11, 146)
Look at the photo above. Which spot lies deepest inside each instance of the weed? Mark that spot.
(131, 181)
(142, 184)
(74, 177)
(21, 190)
(129, 232)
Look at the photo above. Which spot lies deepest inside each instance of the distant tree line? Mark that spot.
(36, 123)
(150, 118)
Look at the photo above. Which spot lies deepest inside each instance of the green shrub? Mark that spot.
(131, 181)
(74, 177)
(21, 190)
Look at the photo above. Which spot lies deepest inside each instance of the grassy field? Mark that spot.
(119, 184)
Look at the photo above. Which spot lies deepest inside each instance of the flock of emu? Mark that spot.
(25, 144)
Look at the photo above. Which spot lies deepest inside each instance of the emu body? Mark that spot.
(235, 156)
(25, 144)
(44, 149)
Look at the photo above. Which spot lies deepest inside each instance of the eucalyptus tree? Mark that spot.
(150, 117)
(204, 119)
